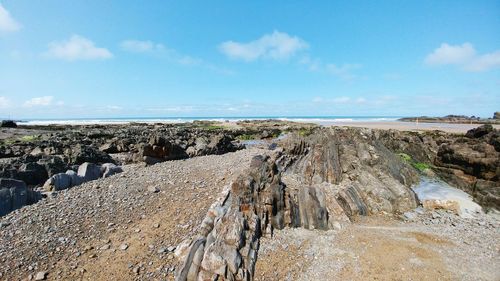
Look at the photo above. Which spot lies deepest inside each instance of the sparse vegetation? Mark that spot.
(304, 132)
(417, 165)
(29, 138)
(246, 137)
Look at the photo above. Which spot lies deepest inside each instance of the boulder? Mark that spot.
(80, 154)
(74, 177)
(436, 204)
(479, 131)
(110, 147)
(32, 173)
(109, 169)
(89, 171)
(8, 124)
(53, 165)
(215, 144)
(159, 149)
(14, 194)
(57, 182)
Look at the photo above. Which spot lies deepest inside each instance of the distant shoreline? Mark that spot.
(453, 119)
(455, 128)
(106, 121)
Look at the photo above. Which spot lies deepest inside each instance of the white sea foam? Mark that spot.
(105, 121)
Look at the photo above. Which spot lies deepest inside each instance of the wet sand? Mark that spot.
(409, 126)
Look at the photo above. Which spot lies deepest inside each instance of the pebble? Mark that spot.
(42, 275)
(153, 189)
(123, 247)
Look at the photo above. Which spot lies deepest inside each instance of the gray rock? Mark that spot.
(153, 189)
(42, 275)
(109, 169)
(74, 177)
(57, 182)
(410, 215)
(89, 171)
(14, 194)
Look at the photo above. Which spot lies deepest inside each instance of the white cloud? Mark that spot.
(77, 48)
(40, 101)
(341, 100)
(114, 107)
(448, 54)
(277, 46)
(361, 100)
(344, 71)
(137, 46)
(160, 51)
(464, 56)
(4, 102)
(7, 23)
(484, 62)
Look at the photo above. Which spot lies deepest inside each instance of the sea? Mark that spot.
(322, 120)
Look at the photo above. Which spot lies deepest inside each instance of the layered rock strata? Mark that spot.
(314, 183)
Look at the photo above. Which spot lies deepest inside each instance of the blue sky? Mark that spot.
(93, 58)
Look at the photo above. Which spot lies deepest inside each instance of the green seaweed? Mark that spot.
(417, 165)
(421, 166)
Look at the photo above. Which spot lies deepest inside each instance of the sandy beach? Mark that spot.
(407, 126)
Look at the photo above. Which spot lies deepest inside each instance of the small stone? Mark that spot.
(105, 247)
(136, 270)
(171, 248)
(161, 250)
(123, 247)
(156, 225)
(153, 189)
(42, 275)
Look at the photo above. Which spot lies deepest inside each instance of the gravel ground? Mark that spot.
(126, 227)
(433, 246)
(120, 228)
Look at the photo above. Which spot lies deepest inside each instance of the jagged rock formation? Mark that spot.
(335, 174)
(228, 239)
(472, 163)
(356, 168)
(469, 162)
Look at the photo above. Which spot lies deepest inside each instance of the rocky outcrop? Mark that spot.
(453, 119)
(8, 124)
(228, 239)
(472, 164)
(331, 176)
(80, 154)
(216, 144)
(159, 149)
(353, 166)
(14, 194)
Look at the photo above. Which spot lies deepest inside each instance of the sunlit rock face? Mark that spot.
(353, 166)
(313, 182)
